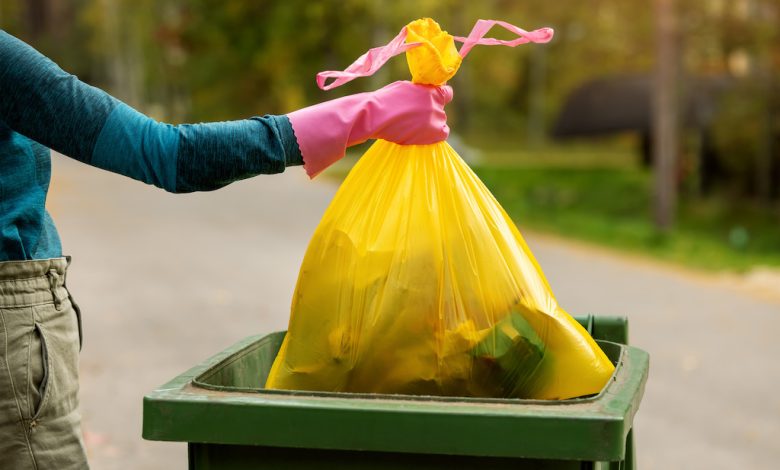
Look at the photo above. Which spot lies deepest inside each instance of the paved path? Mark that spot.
(165, 281)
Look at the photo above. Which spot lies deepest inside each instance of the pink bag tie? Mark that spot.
(368, 63)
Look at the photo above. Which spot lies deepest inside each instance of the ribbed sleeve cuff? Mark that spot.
(292, 151)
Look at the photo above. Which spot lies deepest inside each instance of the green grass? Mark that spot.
(612, 206)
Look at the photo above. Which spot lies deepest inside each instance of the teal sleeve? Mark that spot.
(48, 105)
(194, 157)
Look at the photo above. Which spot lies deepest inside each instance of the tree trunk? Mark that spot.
(380, 34)
(462, 81)
(665, 116)
(36, 16)
(124, 64)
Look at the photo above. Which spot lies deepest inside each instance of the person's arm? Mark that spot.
(42, 102)
(46, 104)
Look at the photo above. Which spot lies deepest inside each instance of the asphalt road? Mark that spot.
(165, 281)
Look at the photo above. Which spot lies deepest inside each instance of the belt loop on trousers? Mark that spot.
(54, 278)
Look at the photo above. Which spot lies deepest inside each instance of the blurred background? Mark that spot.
(545, 121)
(639, 152)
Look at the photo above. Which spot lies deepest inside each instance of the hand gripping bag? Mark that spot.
(417, 282)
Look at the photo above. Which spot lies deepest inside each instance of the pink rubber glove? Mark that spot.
(401, 112)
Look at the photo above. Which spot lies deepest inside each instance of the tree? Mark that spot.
(665, 135)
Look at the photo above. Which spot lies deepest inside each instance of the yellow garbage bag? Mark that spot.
(417, 282)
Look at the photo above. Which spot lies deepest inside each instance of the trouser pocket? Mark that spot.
(38, 385)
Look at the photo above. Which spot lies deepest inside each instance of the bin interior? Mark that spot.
(248, 369)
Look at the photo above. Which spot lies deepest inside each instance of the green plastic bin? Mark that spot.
(231, 422)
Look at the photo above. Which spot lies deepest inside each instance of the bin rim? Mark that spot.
(594, 428)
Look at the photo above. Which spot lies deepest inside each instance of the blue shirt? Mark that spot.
(43, 107)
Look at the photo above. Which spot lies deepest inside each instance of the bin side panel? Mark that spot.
(231, 457)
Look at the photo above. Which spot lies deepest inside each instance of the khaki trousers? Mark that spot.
(40, 338)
